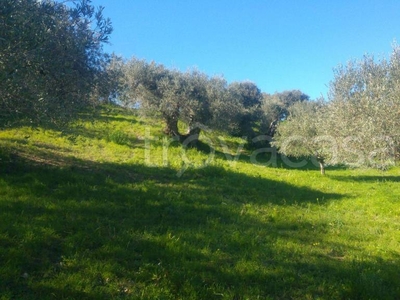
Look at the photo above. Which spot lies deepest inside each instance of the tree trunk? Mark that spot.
(322, 167)
(272, 128)
(171, 127)
(190, 139)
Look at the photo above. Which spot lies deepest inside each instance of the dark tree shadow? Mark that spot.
(363, 178)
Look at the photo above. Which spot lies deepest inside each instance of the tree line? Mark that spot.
(53, 66)
(200, 101)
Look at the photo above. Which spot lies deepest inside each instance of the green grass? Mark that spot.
(103, 211)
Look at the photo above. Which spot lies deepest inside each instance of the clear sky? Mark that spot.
(277, 44)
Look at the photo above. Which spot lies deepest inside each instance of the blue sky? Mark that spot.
(279, 45)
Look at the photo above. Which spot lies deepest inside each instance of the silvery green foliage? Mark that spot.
(171, 94)
(248, 98)
(111, 83)
(51, 58)
(359, 124)
(275, 107)
(141, 85)
(192, 97)
(223, 107)
(302, 135)
(364, 111)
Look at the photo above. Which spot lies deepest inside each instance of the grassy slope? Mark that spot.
(97, 213)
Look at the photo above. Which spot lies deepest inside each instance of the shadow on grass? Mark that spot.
(99, 231)
(262, 155)
(268, 157)
(383, 178)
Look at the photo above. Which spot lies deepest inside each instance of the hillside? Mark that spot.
(110, 209)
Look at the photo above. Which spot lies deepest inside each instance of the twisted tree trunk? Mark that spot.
(171, 126)
(189, 139)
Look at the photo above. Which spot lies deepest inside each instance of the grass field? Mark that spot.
(108, 209)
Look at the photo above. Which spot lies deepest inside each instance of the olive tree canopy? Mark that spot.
(248, 97)
(51, 58)
(359, 124)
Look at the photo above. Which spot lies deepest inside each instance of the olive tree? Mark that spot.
(189, 97)
(303, 134)
(364, 110)
(359, 124)
(51, 58)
